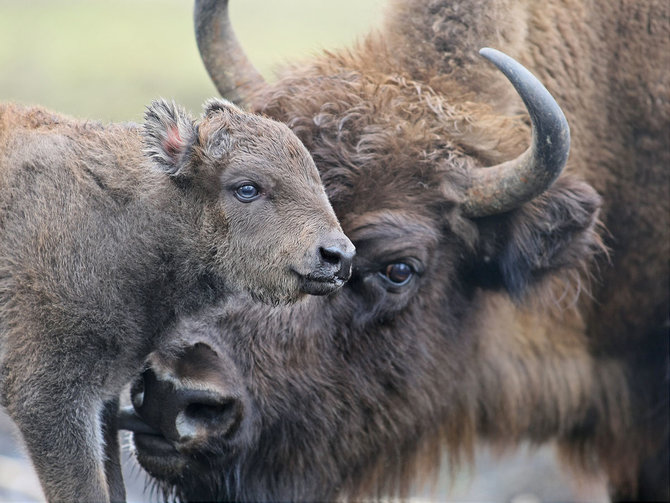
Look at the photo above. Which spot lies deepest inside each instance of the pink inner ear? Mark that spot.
(173, 143)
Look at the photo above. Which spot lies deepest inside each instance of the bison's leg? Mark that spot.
(55, 406)
(117, 490)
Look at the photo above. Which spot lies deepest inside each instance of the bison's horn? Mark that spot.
(506, 186)
(228, 66)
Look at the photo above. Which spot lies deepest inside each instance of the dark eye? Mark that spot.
(247, 192)
(398, 273)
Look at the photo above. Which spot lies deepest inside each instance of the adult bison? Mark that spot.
(473, 312)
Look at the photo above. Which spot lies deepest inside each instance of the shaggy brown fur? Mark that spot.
(102, 246)
(353, 394)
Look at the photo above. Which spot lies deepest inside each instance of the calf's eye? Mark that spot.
(247, 192)
(398, 273)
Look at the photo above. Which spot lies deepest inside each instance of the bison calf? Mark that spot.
(109, 233)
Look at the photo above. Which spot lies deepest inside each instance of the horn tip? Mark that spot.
(498, 58)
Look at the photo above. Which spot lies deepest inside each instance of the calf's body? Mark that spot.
(109, 233)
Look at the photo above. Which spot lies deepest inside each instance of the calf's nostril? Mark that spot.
(331, 254)
(339, 257)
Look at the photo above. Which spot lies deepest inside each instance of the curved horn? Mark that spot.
(227, 64)
(506, 186)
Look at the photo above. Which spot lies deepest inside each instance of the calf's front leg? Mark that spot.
(58, 413)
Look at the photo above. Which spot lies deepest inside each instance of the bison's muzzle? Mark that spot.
(181, 410)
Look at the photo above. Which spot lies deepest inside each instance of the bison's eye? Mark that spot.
(247, 192)
(398, 273)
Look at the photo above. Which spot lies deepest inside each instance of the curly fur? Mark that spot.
(536, 324)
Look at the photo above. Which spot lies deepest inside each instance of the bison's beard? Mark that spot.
(252, 475)
(182, 477)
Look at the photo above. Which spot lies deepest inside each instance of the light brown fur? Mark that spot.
(388, 376)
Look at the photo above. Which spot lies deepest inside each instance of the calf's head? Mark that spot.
(343, 394)
(266, 224)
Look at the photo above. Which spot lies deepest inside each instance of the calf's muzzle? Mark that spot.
(331, 265)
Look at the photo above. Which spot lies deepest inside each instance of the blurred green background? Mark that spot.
(107, 59)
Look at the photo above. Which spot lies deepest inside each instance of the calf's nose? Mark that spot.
(336, 254)
(340, 257)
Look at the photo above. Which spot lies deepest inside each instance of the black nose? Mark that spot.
(202, 412)
(340, 257)
(186, 416)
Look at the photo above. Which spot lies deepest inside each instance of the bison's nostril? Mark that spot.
(138, 400)
(208, 413)
(222, 416)
(137, 392)
(137, 395)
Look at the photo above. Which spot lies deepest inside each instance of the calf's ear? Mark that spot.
(169, 135)
(221, 118)
(219, 105)
(556, 232)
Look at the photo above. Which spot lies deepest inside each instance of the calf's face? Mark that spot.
(266, 224)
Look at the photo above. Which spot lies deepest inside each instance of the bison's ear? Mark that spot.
(169, 134)
(557, 231)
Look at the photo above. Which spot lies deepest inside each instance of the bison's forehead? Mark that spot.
(384, 139)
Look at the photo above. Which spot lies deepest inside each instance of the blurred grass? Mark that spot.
(107, 59)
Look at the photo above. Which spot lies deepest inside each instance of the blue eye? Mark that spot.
(399, 273)
(247, 193)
